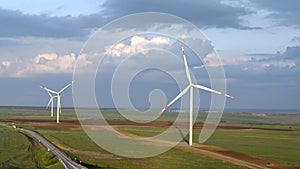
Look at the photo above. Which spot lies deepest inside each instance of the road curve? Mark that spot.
(63, 158)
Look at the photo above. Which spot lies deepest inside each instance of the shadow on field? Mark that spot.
(181, 134)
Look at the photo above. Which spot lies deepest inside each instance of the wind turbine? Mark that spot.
(190, 88)
(58, 95)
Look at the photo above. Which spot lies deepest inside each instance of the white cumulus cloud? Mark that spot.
(46, 64)
(137, 44)
(45, 57)
(52, 63)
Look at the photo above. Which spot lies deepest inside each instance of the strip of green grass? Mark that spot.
(18, 150)
(112, 114)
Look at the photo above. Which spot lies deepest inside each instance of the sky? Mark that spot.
(258, 42)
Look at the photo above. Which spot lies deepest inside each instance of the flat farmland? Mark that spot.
(258, 139)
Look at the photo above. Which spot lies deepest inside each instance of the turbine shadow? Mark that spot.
(181, 134)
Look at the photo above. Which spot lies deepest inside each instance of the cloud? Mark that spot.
(137, 44)
(283, 13)
(212, 13)
(296, 39)
(280, 64)
(44, 58)
(213, 60)
(288, 59)
(210, 60)
(292, 52)
(42, 64)
(205, 14)
(5, 64)
(49, 63)
(257, 61)
(17, 24)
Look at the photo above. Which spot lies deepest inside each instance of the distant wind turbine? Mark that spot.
(58, 95)
(190, 88)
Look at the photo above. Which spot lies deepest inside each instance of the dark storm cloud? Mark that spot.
(285, 12)
(274, 75)
(290, 53)
(202, 13)
(15, 24)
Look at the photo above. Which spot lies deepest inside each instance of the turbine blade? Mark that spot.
(49, 93)
(49, 90)
(187, 71)
(51, 100)
(211, 90)
(66, 87)
(176, 98)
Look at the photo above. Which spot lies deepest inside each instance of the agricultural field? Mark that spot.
(270, 140)
(279, 146)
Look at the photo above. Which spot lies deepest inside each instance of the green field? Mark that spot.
(34, 114)
(278, 141)
(20, 151)
(111, 114)
(279, 146)
(90, 152)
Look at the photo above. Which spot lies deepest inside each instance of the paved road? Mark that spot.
(64, 159)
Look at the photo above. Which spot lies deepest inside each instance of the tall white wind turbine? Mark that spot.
(58, 95)
(190, 88)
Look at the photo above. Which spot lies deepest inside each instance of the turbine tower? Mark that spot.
(190, 88)
(50, 101)
(58, 95)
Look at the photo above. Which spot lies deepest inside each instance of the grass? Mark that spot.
(75, 139)
(34, 114)
(264, 126)
(170, 160)
(175, 158)
(112, 114)
(18, 150)
(144, 131)
(279, 146)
